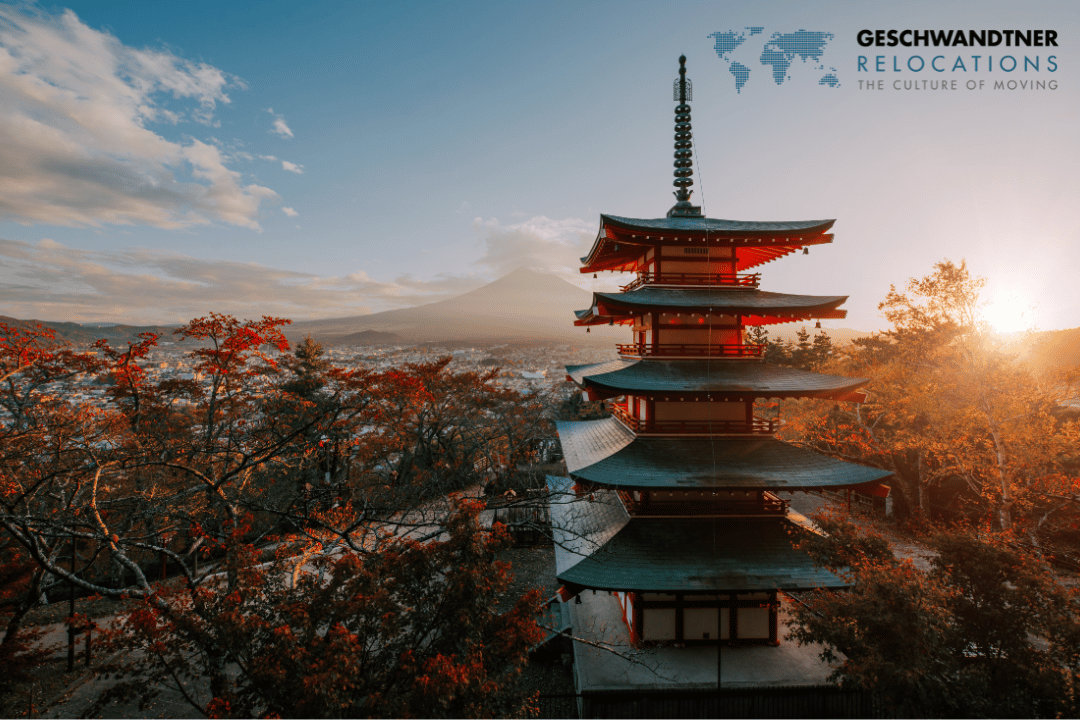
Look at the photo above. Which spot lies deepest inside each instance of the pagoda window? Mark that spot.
(699, 336)
(753, 623)
(697, 319)
(687, 265)
(657, 596)
(700, 411)
(700, 623)
(658, 624)
(748, 617)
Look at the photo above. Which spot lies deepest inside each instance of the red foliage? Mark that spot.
(408, 631)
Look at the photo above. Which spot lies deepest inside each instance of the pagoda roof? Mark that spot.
(605, 452)
(719, 226)
(597, 546)
(607, 306)
(746, 378)
(622, 240)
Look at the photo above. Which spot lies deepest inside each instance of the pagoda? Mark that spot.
(679, 513)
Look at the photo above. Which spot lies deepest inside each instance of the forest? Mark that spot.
(985, 459)
(293, 536)
(286, 532)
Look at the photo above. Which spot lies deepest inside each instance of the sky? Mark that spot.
(161, 160)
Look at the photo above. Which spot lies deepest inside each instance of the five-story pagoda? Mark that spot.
(681, 519)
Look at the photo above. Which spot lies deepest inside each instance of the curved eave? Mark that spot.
(763, 241)
(595, 548)
(604, 452)
(728, 378)
(762, 306)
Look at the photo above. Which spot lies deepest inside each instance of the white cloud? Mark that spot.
(289, 211)
(279, 128)
(51, 281)
(292, 167)
(540, 244)
(75, 109)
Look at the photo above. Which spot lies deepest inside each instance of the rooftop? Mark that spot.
(597, 546)
(731, 301)
(729, 378)
(604, 452)
(621, 240)
(598, 619)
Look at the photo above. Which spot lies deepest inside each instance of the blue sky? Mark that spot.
(165, 159)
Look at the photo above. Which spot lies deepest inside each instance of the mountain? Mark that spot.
(86, 334)
(365, 337)
(523, 305)
(1051, 349)
(788, 331)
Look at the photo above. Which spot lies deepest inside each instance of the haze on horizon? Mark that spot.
(344, 159)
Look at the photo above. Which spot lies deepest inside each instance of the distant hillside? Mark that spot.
(840, 336)
(364, 337)
(1051, 349)
(523, 305)
(78, 334)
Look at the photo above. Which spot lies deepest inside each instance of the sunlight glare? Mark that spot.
(1009, 312)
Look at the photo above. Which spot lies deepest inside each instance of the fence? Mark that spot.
(808, 701)
(528, 519)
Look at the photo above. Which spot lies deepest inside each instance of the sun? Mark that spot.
(1009, 312)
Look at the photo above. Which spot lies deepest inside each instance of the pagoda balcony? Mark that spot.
(763, 504)
(757, 426)
(732, 280)
(692, 350)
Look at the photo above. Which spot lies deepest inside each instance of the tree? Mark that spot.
(408, 630)
(349, 464)
(947, 407)
(757, 335)
(19, 650)
(821, 350)
(987, 632)
(802, 355)
(43, 438)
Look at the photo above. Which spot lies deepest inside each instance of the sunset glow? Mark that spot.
(1009, 311)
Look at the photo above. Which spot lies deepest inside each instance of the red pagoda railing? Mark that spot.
(757, 426)
(692, 350)
(744, 280)
(769, 504)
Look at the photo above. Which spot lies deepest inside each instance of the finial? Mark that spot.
(684, 148)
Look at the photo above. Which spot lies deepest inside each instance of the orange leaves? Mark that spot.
(409, 631)
(219, 708)
(988, 631)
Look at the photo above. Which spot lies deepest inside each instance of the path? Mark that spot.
(806, 504)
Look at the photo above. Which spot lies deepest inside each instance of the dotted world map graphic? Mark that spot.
(778, 53)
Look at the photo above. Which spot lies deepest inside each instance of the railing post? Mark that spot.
(71, 613)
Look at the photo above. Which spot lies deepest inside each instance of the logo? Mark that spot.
(781, 54)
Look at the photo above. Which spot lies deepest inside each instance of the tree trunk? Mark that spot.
(30, 599)
(220, 686)
(1005, 506)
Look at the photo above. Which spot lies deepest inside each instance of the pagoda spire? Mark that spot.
(684, 148)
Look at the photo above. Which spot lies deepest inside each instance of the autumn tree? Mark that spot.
(44, 442)
(946, 406)
(268, 450)
(406, 629)
(988, 631)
